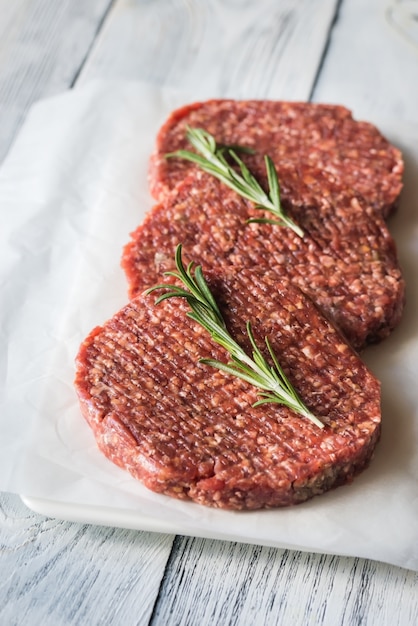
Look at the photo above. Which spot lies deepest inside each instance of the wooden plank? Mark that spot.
(43, 47)
(240, 49)
(56, 572)
(213, 582)
(372, 62)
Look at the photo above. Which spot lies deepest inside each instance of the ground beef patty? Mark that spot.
(189, 431)
(346, 261)
(303, 139)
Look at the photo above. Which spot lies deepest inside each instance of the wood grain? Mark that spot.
(213, 582)
(55, 572)
(43, 47)
(372, 62)
(240, 48)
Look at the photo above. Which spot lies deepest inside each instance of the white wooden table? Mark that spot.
(361, 54)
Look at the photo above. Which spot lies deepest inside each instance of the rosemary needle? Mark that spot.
(212, 158)
(270, 379)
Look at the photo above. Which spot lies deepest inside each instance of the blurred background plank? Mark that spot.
(372, 63)
(239, 48)
(43, 46)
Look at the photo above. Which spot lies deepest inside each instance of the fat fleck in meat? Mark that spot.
(346, 261)
(189, 431)
(303, 139)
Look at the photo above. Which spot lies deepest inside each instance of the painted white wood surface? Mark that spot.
(372, 61)
(43, 46)
(238, 48)
(213, 582)
(56, 572)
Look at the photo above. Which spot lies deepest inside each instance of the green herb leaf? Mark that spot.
(212, 159)
(255, 369)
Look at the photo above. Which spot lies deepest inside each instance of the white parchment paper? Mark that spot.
(71, 190)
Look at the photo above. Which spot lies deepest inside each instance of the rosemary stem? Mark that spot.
(271, 379)
(211, 158)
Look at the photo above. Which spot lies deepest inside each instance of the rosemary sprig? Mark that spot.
(212, 158)
(271, 379)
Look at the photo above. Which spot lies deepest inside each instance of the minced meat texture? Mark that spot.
(305, 140)
(346, 261)
(189, 431)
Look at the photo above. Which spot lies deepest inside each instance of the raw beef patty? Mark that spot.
(303, 139)
(346, 261)
(189, 431)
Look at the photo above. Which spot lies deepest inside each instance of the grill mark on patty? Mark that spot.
(190, 431)
(307, 142)
(348, 267)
